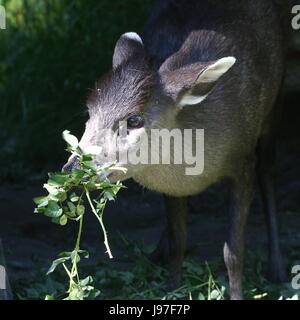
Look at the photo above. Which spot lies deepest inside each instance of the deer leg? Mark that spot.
(241, 198)
(177, 236)
(266, 154)
(172, 244)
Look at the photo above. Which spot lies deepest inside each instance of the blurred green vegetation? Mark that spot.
(50, 55)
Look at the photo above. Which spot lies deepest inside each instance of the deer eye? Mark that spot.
(135, 122)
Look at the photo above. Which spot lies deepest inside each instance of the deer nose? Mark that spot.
(71, 164)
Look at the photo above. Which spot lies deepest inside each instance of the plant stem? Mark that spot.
(99, 218)
(74, 271)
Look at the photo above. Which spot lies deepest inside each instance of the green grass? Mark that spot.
(50, 55)
(138, 278)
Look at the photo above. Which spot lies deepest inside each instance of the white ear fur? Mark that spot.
(190, 100)
(132, 36)
(211, 74)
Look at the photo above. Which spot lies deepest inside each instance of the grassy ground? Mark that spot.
(143, 280)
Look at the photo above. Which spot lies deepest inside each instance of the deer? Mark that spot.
(211, 65)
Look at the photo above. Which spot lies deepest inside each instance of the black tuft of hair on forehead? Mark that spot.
(122, 91)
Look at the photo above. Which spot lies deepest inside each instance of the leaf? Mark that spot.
(39, 210)
(86, 281)
(75, 294)
(55, 220)
(41, 201)
(94, 293)
(70, 214)
(51, 189)
(71, 140)
(100, 206)
(72, 207)
(201, 296)
(63, 220)
(215, 295)
(106, 184)
(59, 196)
(87, 157)
(89, 165)
(49, 297)
(80, 210)
(90, 185)
(78, 174)
(109, 196)
(74, 197)
(84, 253)
(65, 254)
(53, 210)
(58, 179)
(115, 189)
(57, 262)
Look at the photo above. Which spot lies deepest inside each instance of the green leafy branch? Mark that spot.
(65, 201)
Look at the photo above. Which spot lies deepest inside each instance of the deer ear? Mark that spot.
(129, 46)
(205, 80)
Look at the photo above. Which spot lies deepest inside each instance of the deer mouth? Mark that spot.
(113, 175)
